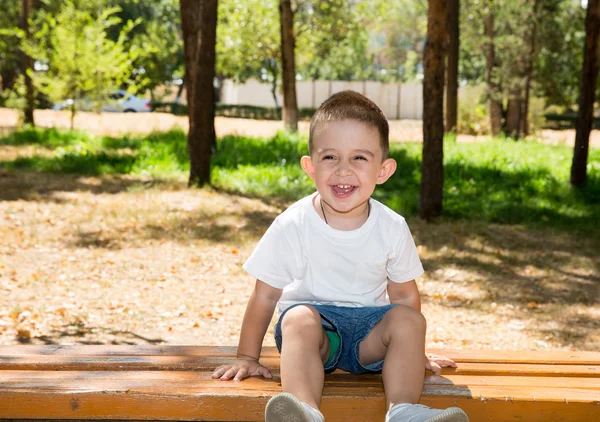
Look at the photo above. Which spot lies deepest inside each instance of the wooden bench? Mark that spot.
(174, 383)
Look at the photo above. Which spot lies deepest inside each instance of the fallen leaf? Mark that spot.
(23, 333)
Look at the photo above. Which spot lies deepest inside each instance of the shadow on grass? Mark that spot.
(502, 187)
(48, 187)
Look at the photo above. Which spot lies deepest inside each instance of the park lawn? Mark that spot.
(104, 243)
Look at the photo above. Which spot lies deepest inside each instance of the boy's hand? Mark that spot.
(241, 369)
(435, 363)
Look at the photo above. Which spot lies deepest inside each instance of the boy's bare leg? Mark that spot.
(304, 350)
(399, 338)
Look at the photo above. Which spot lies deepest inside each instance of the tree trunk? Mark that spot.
(27, 64)
(494, 92)
(529, 77)
(452, 71)
(199, 24)
(513, 112)
(432, 166)
(9, 77)
(288, 65)
(272, 69)
(585, 114)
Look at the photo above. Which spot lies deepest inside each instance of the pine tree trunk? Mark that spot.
(529, 76)
(585, 114)
(9, 77)
(452, 71)
(432, 166)
(494, 92)
(288, 65)
(199, 23)
(513, 112)
(27, 64)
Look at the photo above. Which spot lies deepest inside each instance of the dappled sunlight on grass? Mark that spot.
(497, 181)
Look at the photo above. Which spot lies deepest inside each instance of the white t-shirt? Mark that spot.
(315, 263)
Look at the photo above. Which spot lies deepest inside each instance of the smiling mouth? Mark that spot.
(343, 191)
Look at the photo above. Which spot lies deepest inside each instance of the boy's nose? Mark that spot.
(343, 170)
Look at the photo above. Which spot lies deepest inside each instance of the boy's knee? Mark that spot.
(303, 318)
(405, 316)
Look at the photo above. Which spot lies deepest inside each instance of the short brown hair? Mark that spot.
(350, 105)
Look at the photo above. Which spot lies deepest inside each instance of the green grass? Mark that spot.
(496, 181)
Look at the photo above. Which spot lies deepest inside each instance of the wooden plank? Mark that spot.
(184, 383)
(207, 363)
(173, 382)
(492, 356)
(139, 406)
(337, 378)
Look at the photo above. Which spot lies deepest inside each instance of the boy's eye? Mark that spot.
(328, 157)
(360, 157)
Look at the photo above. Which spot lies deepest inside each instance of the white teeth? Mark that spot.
(344, 186)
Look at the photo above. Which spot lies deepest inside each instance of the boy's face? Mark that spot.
(346, 164)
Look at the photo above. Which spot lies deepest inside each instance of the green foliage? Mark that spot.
(397, 35)
(9, 59)
(332, 40)
(51, 138)
(157, 40)
(473, 112)
(248, 41)
(496, 181)
(81, 60)
(559, 29)
(561, 38)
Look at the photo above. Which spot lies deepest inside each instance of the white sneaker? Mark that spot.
(418, 413)
(285, 407)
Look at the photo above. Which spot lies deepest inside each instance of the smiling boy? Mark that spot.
(342, 268)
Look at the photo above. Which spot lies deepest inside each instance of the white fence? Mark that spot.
(398, 101)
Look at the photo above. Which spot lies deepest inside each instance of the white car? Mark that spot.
(129, 103)
(119, 101)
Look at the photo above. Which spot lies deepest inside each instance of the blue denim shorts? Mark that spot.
(352, 325)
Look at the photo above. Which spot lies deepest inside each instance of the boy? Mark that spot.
(342, 268)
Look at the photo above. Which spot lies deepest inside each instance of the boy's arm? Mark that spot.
(259, 312)
(408, 294)
(404, 294)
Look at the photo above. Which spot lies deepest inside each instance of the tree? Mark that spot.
(81, 63)
(397, 34)
(557, 68)
(452, 71)
(332, 39)
(27, 63)
(199, 24)
(9, 47)
(585, 113)
(288, 65)
(432, 165)
(156, 40)
(528, 50)
(248, 42)
(494, 88)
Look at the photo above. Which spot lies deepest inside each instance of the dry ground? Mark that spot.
(123, 261)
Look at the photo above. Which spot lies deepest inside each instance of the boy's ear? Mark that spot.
(308, 166)
(388, 167)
